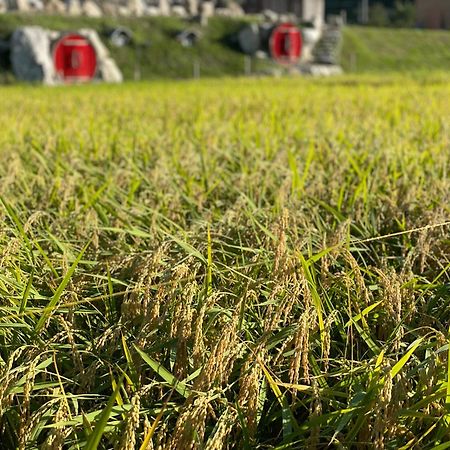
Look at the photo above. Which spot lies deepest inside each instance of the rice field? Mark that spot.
(247, 264)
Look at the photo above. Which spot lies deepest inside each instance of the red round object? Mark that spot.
(74, 58)
(286, 43)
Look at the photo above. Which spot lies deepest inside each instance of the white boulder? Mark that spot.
(321, 70)
(164, 7)
(136, 7)
(235, 9)
(152, 11)
(270, 16)
(193, 7)
(179, 11)
(73, 7)
(311, 37)
(55, 7)
(207, 11)
(31, 57)
(91, 9)
(107, 68)
(123, 11)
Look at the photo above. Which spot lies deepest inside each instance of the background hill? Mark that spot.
(157, 54)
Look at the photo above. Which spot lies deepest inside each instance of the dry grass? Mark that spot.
(191, 265)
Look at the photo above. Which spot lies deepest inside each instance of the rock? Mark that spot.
(31, 58)
(91, 9)
(107, 68)
(73, 7)
(261, 54)
(55, 7)
(53, 35)
(179, 11)
(193, 7)
(123, 11)
(231, 10)
(222, 12)
(321, 70)
(275, 72)
(109, 71)
(236, 9)
(121, 37)
(36, 5)
(164, 7)
(188, 38)
(249, 39)
(3, 6)
(287, 18)
(152, 11)
(270, 16)
(311, 37)
(22, 5)
(207, 12)
(110, 9)
(136, 7)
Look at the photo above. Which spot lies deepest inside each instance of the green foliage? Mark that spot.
(222, 264)
(402, 15)
(379, 15)
(405, 14)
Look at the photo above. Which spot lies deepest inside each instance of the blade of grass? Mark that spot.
(179, 386)
(405, 358)
(315, 296)
(96, 436)
(152, 429)
(289, 422)
(57, 295)
(26, 294)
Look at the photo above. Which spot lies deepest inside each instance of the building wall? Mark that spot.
(433, 13)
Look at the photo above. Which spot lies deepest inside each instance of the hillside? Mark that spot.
(159, 54)
(369, 49)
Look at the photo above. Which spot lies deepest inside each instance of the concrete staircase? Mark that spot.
(328, 48)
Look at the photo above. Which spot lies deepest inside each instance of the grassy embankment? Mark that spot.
(364, 49)
(236, 264)
(390, 50)
(159, 54)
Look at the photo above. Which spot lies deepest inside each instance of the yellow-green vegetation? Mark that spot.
(218, 265)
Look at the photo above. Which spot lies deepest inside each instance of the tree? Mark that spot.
(404, 14)
(379, 15)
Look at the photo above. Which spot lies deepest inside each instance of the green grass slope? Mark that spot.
(368, 49)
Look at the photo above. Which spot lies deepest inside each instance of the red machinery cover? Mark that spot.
(286, 43)
(75, 58)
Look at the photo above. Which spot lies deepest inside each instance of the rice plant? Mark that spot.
(247, 264)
